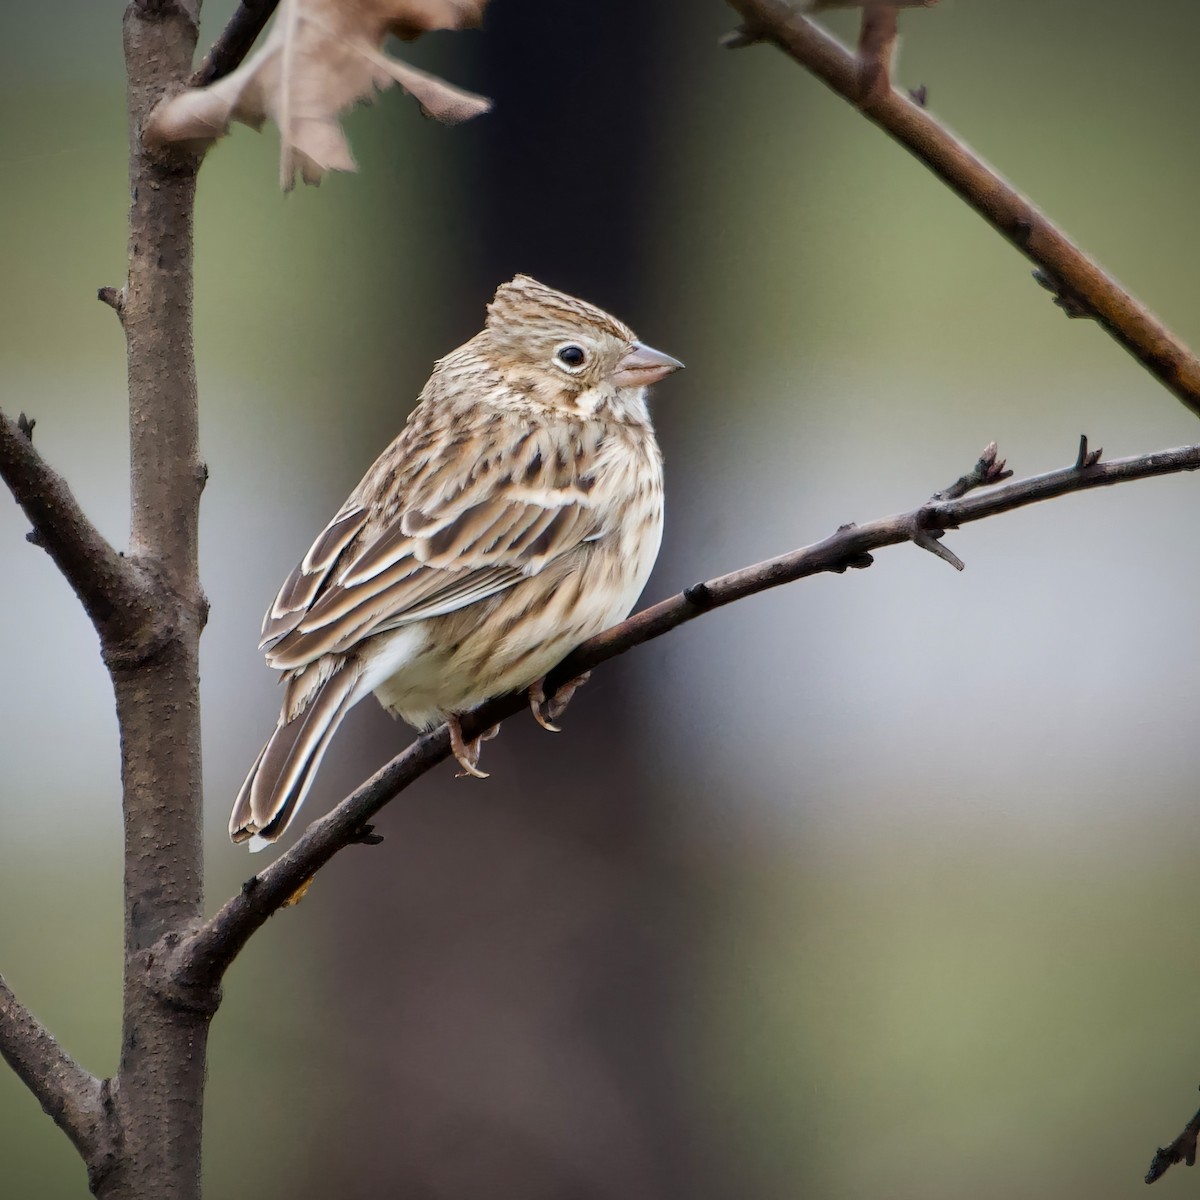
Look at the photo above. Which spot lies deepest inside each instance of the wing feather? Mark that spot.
(426, 538)
(300, 588)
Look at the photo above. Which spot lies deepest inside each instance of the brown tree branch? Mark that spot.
(192, 967)
(74, 1099)
(1081, 283)
(228, 51)
(118, 597)
(877, 40)
(1181, 1150)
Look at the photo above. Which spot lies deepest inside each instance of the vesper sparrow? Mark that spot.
(518, 513)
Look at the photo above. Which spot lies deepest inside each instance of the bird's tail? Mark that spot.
(284, 770)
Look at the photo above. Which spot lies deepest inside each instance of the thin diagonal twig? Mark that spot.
(229, 50)
(1081, 283)
(198, 962)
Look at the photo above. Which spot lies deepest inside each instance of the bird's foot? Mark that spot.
(540, 706)
(547, 711)
(467, 753)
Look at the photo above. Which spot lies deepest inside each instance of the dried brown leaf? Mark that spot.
(319, 59)
(414, 17)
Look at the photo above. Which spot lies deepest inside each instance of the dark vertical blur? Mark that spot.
(505, 968)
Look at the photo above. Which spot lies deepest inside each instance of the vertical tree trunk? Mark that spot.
(158, 1095)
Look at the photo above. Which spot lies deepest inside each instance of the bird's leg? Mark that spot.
(547, 711)
(467, 753)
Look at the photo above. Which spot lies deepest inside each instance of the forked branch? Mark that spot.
(196, 964)
(228, 51)
(71, 1096)
(116, 595)
(1081, 284)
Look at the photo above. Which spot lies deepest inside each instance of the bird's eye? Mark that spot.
(571, 356)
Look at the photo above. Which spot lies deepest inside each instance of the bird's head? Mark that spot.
(568, 352)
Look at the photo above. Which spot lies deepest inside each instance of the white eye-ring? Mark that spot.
(571, 357)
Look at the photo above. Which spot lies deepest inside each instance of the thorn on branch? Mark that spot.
(927, 539)
(114, 298)
(919, 95)
(740, 38)
(26, 425)
(1182, 1149)
(1086, 458)
(1074, 306)
(988, 470)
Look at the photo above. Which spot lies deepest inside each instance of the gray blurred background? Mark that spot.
(878, 885)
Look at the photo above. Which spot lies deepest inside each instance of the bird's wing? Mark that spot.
(455, 532)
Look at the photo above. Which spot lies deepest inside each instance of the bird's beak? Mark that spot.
(643, 365)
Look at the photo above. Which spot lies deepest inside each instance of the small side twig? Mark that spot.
(928, 539)
(72, 1097)
(119, 600)
(228, 51)
(877, 40)
(1086, 458)
(1181, 1150)
(988, 470)
(201, 958)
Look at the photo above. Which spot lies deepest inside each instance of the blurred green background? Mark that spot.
(878, 885)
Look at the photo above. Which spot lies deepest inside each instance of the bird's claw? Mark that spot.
(546, 712)
(540, 707)
(467, 753)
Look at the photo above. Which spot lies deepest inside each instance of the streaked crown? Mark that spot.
(523, 303)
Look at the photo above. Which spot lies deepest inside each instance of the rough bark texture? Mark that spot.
(159, 1090)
